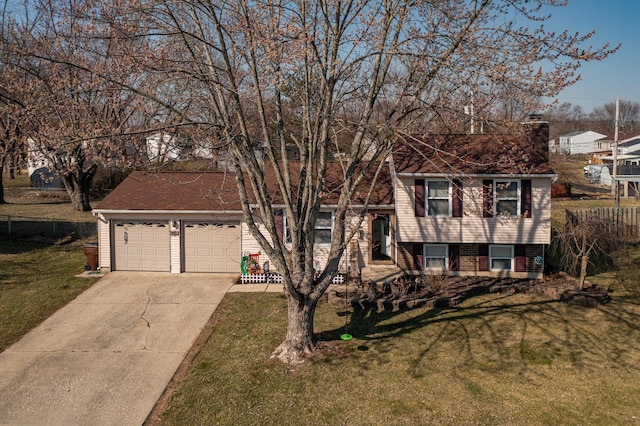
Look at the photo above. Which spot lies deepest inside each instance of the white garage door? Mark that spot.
(142, 246)
(212, 247)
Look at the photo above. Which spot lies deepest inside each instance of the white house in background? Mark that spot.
(580, 142)
(628, 149)
(162, 148)
(35, 159)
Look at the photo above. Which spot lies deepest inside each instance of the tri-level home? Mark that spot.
(474, 204)
(445, 204)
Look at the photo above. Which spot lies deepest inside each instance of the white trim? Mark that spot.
(477, 175)
(518, 196)
(424, 256)
(426, 197)
(96, 212)
(511, 257)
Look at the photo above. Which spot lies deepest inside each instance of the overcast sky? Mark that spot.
(615, 21)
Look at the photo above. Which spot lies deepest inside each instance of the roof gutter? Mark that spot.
(96, 212)
(479, 175)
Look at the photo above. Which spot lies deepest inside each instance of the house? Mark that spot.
(488, 214)
(192, 222)
(628, 149)
(455, 204)
(603, 148)
(579, 142)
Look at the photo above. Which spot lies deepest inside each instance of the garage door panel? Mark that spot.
(212, 247)
(142, 246)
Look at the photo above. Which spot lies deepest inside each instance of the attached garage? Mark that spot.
(212, 246)
(141, 246)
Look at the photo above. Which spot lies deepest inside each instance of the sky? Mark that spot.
(615, 21)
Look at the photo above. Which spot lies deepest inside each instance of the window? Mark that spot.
(438, 197)
(506, 198)
(324, 226)
(435, 257)
(501, 258)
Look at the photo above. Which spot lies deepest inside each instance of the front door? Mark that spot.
(381, 238)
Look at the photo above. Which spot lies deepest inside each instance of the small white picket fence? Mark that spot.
(275, 279)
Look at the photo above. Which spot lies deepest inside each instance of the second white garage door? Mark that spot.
(212, 247)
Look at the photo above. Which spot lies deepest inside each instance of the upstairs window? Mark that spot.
(438, 198)
(506, 198)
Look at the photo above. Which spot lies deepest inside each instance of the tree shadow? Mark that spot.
(492, 332)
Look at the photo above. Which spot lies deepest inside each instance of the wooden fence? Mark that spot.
(623, 222)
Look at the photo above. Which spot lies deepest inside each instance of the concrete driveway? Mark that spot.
(106, 357)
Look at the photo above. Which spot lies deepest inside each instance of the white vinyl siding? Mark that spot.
(472, 228)
(104, 244)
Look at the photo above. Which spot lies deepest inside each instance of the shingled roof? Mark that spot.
(217, 191)
(456, 154)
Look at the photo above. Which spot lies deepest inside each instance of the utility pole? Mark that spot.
(614, 186)
(472, 123)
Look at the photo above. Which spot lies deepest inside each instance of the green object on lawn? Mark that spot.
(346, 336)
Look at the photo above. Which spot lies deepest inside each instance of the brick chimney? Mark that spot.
(537, 132)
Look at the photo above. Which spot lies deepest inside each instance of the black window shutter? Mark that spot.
(418, 253)
(278, 219)
(456, 208)
(419, 198)
(519, 252)
(487, 198)
(454, 257)
(525, 197)
(483, 257)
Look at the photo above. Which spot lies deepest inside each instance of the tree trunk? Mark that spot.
(2, 200)
(78, 189)
(300, 340)
(584, 263)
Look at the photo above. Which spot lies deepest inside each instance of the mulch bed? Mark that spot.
(441, 292)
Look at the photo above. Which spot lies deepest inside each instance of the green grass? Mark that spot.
(35, 281)
(497, 359)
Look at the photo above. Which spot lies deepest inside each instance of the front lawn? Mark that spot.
(495, 359)
(36, 279)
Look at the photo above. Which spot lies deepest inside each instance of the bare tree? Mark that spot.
(566, 118)
(604, 116)
(74, 115)
(580, 240)
(301, 73)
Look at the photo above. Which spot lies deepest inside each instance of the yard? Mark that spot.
(495, 359)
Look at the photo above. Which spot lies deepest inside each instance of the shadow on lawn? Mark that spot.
(497, 331)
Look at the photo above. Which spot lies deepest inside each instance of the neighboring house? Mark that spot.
(163, 148)
(454, 204)
(628, 149)
(579, 142)
(603, 148)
